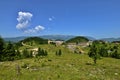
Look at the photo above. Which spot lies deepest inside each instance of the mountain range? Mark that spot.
(59, 37)
(50, 37)
(110, 39)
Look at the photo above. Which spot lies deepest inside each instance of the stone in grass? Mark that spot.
(116, 74)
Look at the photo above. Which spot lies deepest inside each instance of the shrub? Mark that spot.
(25, 65)
(95, 51)
(41, 52)
(58, 53)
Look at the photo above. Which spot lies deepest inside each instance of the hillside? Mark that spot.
(66, 67)
(34, 40)
(77, 39)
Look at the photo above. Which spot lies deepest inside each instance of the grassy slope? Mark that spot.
(69, 66)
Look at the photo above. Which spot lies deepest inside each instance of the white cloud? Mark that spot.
(23, 19)
(35, 30)
(22, 25)
(39, 28)
(51, 18)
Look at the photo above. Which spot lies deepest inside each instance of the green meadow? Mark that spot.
(68, 66)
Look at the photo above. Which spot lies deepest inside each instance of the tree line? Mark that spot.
(100, 49)
(10, 51)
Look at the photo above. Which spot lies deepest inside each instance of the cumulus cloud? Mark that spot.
(35, 30)
(39, 28)
(23, 19)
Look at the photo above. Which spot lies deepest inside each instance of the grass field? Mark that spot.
(68, 66)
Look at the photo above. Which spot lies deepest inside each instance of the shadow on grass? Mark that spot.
(92, 64)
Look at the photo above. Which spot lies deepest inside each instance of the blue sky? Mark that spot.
(96, 18)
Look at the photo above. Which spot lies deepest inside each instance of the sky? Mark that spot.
(95, 18)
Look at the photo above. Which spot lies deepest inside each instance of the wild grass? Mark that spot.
(68, 66)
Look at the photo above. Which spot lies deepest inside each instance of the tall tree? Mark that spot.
(25, 54)
(1, 44)
(9, 52)
(94, 51)
(58, 53)
(18, 54)
(41, 52)
(1, 47)
(116, 52)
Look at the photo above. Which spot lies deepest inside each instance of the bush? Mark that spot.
(95, 51)
(116, 54)
(41, 52)
(25, 65)
(25, 54)
(58, 53)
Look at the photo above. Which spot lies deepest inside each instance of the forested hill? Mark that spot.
(35, 40)
(78, 39)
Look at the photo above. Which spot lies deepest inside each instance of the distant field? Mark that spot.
(69, 66)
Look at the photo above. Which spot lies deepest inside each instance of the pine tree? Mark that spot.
(18, 54)
(42, 52)
(1, 48)
(25, 54)
(58, 53)
(45, 53)
(31, 55)
(39, 52)
(9, 52)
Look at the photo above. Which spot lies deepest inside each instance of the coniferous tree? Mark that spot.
(18, 54)
(58, 53)
(31, 54)
(25, 54)
(39, 52)
(45, 53)
(42, 52)
(1, 48)
(9, 52)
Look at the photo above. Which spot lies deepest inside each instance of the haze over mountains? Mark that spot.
(51, 37)
(59, 37)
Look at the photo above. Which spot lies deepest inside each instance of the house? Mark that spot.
(57, 42)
